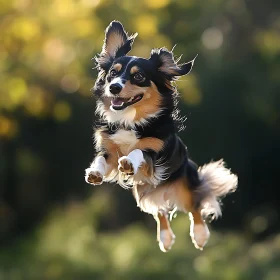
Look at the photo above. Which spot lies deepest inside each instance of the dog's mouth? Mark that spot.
(120, 103)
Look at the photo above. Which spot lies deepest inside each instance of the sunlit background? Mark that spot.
(53, 225)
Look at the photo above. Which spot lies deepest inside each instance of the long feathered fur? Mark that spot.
(216, 182)
(167, 179)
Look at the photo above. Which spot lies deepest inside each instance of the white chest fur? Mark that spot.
(125, 139)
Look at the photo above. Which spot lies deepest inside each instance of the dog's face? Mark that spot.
(132, 89)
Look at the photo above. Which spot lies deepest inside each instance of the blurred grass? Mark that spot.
(68, 245)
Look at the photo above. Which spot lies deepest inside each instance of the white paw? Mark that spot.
(125, 166)
(93, 176)
(167, 239)
(200, 235)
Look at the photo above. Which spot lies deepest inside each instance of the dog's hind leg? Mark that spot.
(165, 235)
(185, 200)
(199, 231)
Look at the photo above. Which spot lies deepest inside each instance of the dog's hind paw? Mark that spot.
(126, 166)
(166, 240)
(93, 177)
(199, 235)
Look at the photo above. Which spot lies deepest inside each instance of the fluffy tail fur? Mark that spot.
(216, 182)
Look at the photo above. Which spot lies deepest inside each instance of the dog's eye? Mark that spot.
(138, 76)
(113, 73)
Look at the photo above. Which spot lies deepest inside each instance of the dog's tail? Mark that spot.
(216, 182)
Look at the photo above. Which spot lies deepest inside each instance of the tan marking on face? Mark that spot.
(150, 103)
(134, 69)
(130, 90)
(118, 67)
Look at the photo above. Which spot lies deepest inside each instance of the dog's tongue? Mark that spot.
(117, 101)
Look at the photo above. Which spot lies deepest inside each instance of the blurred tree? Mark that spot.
(231, 100)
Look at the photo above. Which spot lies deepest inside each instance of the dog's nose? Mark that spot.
(115, 88)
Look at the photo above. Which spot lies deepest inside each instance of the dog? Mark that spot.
(136, 139)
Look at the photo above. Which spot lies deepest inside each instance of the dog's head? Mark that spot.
(132, 89)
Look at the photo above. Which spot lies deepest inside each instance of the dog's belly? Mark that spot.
(163, 198)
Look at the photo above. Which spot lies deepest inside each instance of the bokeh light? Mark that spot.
(212, 38)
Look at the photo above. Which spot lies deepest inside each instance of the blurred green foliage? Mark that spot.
(69, 246)
(231, 101)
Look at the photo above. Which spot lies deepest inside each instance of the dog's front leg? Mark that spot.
(97, 170)
(130, 164)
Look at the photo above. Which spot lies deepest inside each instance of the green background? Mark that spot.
(55, 226)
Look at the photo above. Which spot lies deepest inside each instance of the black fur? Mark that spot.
(136, 135)
(161, 68)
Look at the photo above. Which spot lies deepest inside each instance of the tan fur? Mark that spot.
(150, 103)
(147, 169)
(118, 67)
(130, 90)
(126, 140)
(199, 231)
(116, 147)
(164, 197)
(104, 140)
(134, 69)
(164, 223)
(151, 143)
(148, 106)
(113, 42)
(197, 218)
(165, 235)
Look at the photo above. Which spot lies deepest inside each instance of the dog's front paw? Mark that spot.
(93, 177)
(126, 166)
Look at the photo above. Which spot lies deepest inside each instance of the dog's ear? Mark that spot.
(165, 62)
(116, 44)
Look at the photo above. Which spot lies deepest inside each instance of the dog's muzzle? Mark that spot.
(115, 88)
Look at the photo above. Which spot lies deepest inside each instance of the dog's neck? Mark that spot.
(162, 126)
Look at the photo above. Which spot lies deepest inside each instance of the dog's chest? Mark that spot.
(126, 140)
